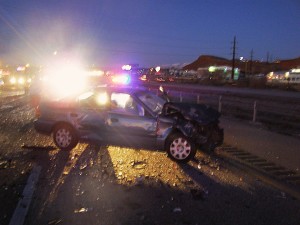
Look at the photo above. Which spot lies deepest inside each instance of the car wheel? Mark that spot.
(180, 148)
(65, 137)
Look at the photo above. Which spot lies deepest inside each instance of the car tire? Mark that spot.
(65, 137)
(180, 148)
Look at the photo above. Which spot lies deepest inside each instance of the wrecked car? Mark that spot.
(129, 117)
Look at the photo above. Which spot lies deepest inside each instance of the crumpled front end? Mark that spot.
(198, 122)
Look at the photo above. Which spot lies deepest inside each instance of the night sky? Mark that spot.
(147, 32)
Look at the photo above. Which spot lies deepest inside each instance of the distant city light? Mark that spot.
(295, 70)
(126, 67)
(21, 68)
(212, 69)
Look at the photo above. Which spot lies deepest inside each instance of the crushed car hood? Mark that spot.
(200, 113)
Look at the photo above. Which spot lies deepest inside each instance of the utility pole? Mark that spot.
(233, 58)
(251, 58)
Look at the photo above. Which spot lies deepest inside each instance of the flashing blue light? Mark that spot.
(121, 79)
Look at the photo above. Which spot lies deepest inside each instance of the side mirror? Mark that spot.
(165, 94)
(161, 88)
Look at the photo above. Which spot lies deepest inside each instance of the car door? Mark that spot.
(127, 121)
(90, 116)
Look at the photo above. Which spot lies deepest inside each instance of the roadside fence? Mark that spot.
(270, 111)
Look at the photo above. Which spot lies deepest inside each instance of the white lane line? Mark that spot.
(24, 203)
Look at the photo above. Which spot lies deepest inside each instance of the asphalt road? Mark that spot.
(118, 185)
(254, 138)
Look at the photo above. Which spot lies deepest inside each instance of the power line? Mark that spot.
(251, 61)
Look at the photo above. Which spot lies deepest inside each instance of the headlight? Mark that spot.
(102, 98)
(13, 80)
(21, 80)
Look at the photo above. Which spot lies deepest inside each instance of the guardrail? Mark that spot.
(274, 113)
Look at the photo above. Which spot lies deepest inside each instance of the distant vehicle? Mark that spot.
(290, 79)
(126, 116)
(294, 76)
(17, 81)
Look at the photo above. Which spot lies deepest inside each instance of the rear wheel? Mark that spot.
(180, 148)
(65, 137)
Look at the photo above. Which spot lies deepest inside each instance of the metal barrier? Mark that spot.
(284, 114)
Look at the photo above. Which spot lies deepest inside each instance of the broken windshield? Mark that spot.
(152, 101)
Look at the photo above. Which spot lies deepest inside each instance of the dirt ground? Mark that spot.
(113, 185)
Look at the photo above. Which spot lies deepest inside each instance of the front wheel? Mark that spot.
(180, 148)
(65, 137)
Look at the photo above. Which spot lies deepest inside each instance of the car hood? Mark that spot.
(200, 113)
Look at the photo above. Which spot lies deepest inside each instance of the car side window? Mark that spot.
(90, 100)
(124, 103)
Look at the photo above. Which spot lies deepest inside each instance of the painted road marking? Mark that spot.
(24, 203)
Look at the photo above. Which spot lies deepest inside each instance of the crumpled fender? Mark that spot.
(186, 127)
(192, 120)
(167, 124)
